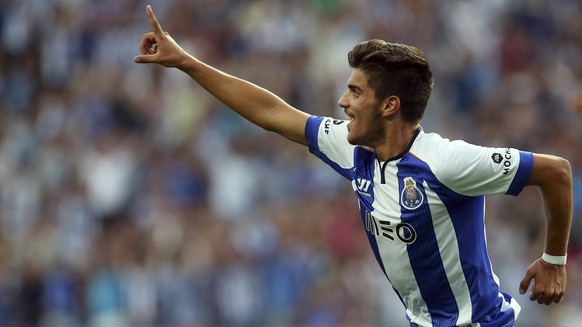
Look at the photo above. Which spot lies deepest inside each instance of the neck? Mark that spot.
(396, 140)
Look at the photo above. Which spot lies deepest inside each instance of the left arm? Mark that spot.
(553, 176)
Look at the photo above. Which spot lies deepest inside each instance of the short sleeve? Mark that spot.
(327, 140)
(475, 170)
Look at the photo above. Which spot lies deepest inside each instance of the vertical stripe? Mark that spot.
(373, 243)
(364, 171)
(425, 258)
(394, 252)
(449, 248)
(467, 217)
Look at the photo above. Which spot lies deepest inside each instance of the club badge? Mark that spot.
(411, 197)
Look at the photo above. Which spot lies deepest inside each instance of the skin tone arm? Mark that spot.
(252, 102)
(553, 176)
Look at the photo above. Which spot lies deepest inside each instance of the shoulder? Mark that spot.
(432, 147)
(448, 159)
(473, 169)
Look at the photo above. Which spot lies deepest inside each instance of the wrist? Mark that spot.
(558, 260)
(186, 62)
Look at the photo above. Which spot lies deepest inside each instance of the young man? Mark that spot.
(421, 196)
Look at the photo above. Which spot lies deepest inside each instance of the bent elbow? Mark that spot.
(560, 173)
(551, 170)
(563, 171)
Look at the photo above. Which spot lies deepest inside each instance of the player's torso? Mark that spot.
(423, 213)
(409, 230)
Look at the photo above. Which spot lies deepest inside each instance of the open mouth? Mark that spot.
(350, 119)
(350, 116)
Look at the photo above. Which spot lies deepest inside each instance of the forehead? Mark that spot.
(359, 79)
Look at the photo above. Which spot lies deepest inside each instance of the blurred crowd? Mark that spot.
(130, 197)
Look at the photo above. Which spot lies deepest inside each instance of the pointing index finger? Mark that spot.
(158, 32)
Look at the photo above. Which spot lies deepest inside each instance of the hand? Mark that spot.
(158, 46)
(549, 282)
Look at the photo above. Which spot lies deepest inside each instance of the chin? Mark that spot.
(352, 140)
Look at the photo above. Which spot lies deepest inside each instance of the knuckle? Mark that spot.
(536, 292)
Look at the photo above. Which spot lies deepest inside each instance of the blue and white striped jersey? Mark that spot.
(423, 213)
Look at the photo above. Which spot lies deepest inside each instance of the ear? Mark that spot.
(391, 105)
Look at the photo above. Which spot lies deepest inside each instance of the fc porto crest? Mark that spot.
(411, 197)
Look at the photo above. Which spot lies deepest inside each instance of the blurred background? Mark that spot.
(130, 197)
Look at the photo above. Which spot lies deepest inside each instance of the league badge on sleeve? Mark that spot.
(411, 197)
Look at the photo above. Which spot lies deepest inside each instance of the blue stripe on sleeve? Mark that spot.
(311, 131)
(523, 173)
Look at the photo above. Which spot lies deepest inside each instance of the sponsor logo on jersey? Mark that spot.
(411, 197)
(362, 186)
(507, 161)
(401, 231)
(327, 124)
(497, 158)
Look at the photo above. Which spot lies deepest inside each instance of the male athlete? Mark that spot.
(421, 196)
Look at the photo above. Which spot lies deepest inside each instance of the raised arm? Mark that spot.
(254, 103)
(553, 176)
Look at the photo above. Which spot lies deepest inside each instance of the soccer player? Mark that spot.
(421, 197)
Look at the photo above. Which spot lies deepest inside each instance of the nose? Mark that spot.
(343, 101)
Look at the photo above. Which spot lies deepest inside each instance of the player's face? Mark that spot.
(360, 105)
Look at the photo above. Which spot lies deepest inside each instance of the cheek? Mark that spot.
(368, 125)
(359, 128)
(368, 118)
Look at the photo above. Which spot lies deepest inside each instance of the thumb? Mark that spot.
(143, 59)
(526, 281)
